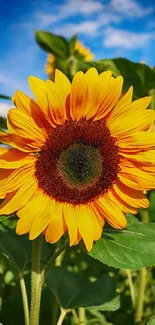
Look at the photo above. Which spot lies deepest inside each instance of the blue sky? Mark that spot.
(111, 28)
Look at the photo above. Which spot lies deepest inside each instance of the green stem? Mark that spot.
(24, 298)
(142, 279)
(145, 216)
(51, 261)
(62, 316)
(75, 316)
(82, 316)
(141, 295)
(132, 289)
(36, 282)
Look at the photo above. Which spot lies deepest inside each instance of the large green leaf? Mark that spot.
(139, 75)
(11, 250)
(51, 43)
(131, 248)
(73, 290)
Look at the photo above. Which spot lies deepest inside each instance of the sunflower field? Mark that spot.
(77, 190)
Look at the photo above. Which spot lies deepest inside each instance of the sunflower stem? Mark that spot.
(82, 315)
(142, 279)
(36, 284)
(141, 295)
(51, 260)
(132, 289)
(62, 316)
(24, 298)
(55, 305)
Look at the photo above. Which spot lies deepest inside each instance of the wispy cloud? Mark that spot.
(89, 28)
(130, 8)
(105, 13)
(69, 9)
(117, 38)
(4, 108)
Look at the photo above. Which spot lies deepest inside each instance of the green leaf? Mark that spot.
(151, 209)
(11, 250)
(139, 75)
(99, 318)
(151, 321)
(111, 305)
(5, 97)
(73, 290)
(3, 124)
(131, 248)
(51, 43)
(72, 43)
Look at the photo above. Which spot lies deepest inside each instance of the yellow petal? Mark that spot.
(17, 199)
(56, 227)
(57, 109)
(145, 157)
(114, 92)
(18, 142)
(85, 225)
(13, 158)
(63, 85)
(17, 178)
(130, 196)
(128, 122)
(21, 124)
(78, 97)
(39, 90)
(135, 177)
(125, 105)
(98, 222)
(41, 207)
(28, 106)
(137, 141)
(99, 88)
(122, 104)
(71, 222)
(112, 213)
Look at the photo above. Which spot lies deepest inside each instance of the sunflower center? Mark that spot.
(78, 162)
(80, 165)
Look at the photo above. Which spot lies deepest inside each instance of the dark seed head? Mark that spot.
(78, 162)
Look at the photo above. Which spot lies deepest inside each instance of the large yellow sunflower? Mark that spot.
(81, 154)
(79, 48)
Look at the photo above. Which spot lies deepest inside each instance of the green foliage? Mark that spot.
(12, 250)
(72, 43)
(4, 97)
(73, 290)
(53, 44)
(151, 321)
(3, 124)
(97, 281)
(131, 248)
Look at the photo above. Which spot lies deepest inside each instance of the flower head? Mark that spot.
(82, 154)
(79, 48)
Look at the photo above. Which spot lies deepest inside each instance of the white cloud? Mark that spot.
(130, 8)
(117, 38)
(4, 108)
(69, 9)
(88, 28)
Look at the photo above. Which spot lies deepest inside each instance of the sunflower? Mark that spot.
(79, 48)
(50, 66)
(81, 154)
(84, 51)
